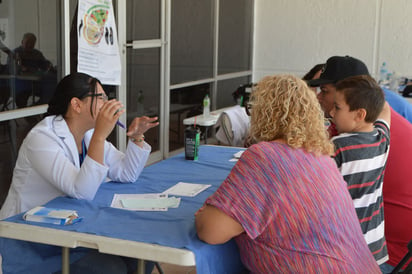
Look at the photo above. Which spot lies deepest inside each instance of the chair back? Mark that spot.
(233, 126)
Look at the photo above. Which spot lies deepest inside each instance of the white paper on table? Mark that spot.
(144, 202)
(186, 189)
(150, 204)
(238, 154)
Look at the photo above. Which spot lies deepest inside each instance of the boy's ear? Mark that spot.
(361, 114)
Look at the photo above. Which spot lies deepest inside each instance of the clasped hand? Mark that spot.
(107, 117)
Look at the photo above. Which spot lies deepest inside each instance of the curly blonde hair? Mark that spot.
(283, 107)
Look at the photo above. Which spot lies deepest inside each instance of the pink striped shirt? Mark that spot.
(296, 211)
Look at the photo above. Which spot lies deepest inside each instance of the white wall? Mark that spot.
(293, 35)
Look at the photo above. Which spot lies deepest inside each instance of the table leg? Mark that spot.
(206, 129)
(178, 126)
(140, 266)
(65, 260)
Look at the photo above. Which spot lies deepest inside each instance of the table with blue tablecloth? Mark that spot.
(164, 236)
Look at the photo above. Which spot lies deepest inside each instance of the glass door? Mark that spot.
(143, 49)
(31, 63)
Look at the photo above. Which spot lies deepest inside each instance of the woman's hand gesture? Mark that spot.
(140, 125)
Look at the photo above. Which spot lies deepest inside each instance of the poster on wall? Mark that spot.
(98, 53)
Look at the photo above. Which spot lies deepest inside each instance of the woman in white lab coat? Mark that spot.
(67, 153)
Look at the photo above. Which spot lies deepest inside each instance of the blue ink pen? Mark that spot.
(120, 124)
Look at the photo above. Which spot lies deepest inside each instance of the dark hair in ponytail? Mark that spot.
(78, 85)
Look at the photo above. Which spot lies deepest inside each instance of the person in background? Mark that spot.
(4, 83)
(397, 192)
(28, 58)
(285, 202)
(314, 73)
(340, 67)
(26, 61)
(362, 119)
(335, 69)
(399, 104)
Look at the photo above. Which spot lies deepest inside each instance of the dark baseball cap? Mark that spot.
(338, 68)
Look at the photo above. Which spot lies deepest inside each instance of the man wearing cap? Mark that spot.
(336, 68)
(340, 67)
(397, 189)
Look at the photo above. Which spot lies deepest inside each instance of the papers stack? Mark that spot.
(186, 189)
(52, 216)
(237, 156)
(145, 202)
(157, 201)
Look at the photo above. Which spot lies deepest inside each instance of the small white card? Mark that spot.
(145, 202)
(186, 189)
(238, 154)
(150, 204)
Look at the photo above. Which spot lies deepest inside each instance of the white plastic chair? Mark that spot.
(233, 126)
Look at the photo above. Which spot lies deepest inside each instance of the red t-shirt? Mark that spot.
(332, 130)
(397, 189)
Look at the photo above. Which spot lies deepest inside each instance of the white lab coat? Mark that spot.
(48, 166)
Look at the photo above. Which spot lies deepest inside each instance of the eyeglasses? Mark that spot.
(248, 108)
(99, 95)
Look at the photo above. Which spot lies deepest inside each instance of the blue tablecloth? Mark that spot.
(173, 228)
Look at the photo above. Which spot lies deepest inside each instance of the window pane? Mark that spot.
(29, 66)
(191, 41)
(143, 88)
(143, 19)
(184, 102)
(235, 35)
(29, 53)
(225, 89)
(12, 133)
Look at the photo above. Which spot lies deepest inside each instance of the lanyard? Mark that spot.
(83, 154)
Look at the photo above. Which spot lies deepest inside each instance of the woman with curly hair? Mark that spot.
(285, 202)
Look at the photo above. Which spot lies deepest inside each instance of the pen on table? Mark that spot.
(120, 124)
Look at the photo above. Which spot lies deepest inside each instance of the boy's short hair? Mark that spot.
(363, 91)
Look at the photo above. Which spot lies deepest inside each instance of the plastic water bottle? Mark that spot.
(206, 106)
(393, 82)
(383, 73)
